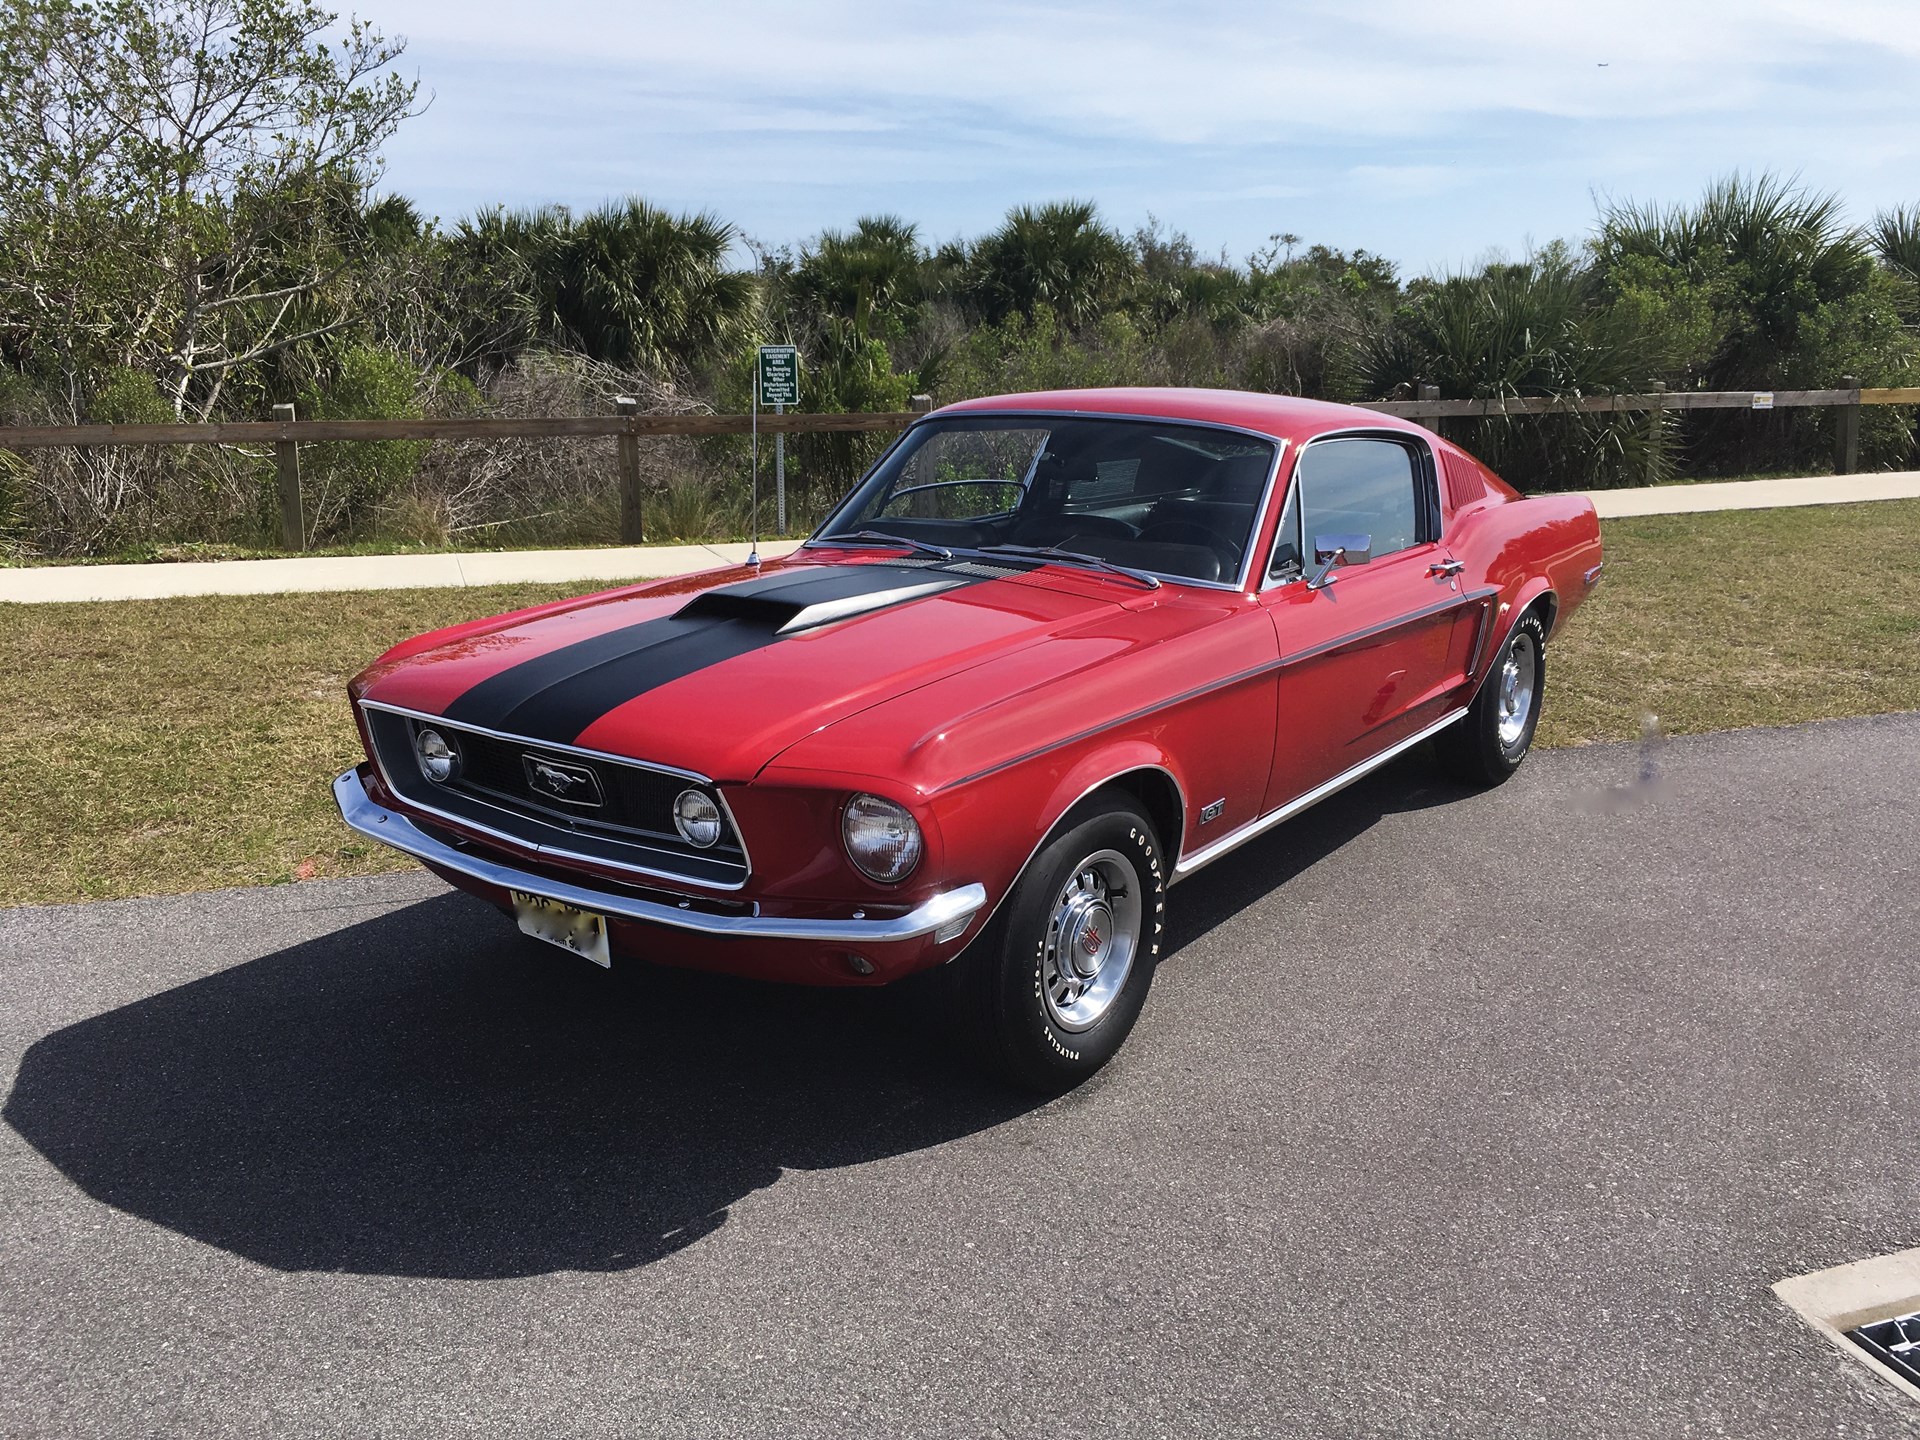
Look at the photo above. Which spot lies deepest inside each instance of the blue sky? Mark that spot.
(1429, 132)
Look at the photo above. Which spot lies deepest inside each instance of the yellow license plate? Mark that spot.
(580, 931)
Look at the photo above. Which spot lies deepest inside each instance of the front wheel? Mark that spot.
(1487, 744)
(1052, 987)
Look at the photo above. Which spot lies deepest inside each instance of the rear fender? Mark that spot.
(1506, 615)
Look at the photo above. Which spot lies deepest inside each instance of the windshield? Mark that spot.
(1172, 499)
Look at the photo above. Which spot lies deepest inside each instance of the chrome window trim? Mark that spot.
(1281, 444)
(462, 821)
(1422, 441)
(390, 827)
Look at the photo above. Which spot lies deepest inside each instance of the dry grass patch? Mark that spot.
(164, 745)
(168, 745)
(1740, 618)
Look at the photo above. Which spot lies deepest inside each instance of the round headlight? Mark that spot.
(882, 838)
(697, 818)
(438, 759)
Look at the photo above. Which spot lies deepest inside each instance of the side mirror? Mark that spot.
(1334, 550)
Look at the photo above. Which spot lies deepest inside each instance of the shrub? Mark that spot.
(346, 482)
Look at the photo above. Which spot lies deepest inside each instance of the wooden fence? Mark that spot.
(626, 427)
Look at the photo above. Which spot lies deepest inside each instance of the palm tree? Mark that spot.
(637, 287)
(870, 276)
(1772, 252)
(1058, 255)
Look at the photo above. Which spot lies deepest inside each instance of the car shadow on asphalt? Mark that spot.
(1263, 865)
(428, 1093)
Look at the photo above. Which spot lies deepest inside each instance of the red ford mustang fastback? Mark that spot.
(1054, 654)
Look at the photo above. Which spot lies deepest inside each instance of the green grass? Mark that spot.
(168, 745)
(1739, 618)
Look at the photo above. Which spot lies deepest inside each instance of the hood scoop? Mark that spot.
(805, 599)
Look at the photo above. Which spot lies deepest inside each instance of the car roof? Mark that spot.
(1284, 417)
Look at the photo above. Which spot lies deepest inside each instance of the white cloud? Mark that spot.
(790, 117)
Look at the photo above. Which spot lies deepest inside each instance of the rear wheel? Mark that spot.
(1053, 986)
(1487, 744)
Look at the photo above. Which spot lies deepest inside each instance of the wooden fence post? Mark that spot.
(632, 522)
(1432, 422)
(1656, 438)
(1846, 430)
(920, 404)
(286, 464)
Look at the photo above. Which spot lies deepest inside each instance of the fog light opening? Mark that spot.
(859, 964)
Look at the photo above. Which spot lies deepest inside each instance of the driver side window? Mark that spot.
(1356, 486)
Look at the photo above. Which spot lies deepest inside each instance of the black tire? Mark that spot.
(1010, 981)
(1474, 749)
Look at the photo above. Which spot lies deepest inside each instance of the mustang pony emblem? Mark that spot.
(569, 784)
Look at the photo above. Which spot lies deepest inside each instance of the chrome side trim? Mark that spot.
(1266, 667)
(391, 828)
(461, 821)
(1208, 854)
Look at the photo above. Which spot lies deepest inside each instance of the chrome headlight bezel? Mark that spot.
(437, 756)
(700, 828)
(881, 838)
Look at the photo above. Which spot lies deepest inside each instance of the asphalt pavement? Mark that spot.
(1450, 1114)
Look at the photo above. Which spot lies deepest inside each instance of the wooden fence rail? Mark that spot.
(285, 434)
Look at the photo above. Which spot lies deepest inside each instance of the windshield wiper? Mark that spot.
(881, 537)
(1074, 557)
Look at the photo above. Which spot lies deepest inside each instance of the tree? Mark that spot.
(869, 276)
(1769, 254)
(1059, 256)
(638, 287)
(1792, 299)
(181, 182)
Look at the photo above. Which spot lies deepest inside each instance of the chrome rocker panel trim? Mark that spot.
(389, 827)
(1234, 840)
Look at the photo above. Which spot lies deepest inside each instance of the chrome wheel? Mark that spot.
(1519, 674)
(1092, 939)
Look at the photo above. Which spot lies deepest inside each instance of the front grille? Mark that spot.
(632, 798)
(632, 825)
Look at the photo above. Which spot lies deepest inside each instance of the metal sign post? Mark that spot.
(778, 384)
(753, 525)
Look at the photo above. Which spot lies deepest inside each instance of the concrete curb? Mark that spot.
(56, 583)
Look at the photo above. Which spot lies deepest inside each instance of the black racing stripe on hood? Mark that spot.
(556, 696)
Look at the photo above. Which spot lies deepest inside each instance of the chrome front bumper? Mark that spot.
(949, 910)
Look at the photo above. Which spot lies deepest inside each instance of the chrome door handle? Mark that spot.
(1446, 567)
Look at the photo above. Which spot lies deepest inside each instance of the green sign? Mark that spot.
(779, 375)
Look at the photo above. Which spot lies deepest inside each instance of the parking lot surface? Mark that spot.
(1451, 1114)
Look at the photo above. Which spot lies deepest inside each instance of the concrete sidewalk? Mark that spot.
(41, 584)
(1755, 494)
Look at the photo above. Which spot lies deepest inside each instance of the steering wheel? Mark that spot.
(1187, 532)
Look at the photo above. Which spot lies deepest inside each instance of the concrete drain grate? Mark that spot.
(1894, 1343)
(1869, 1309)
